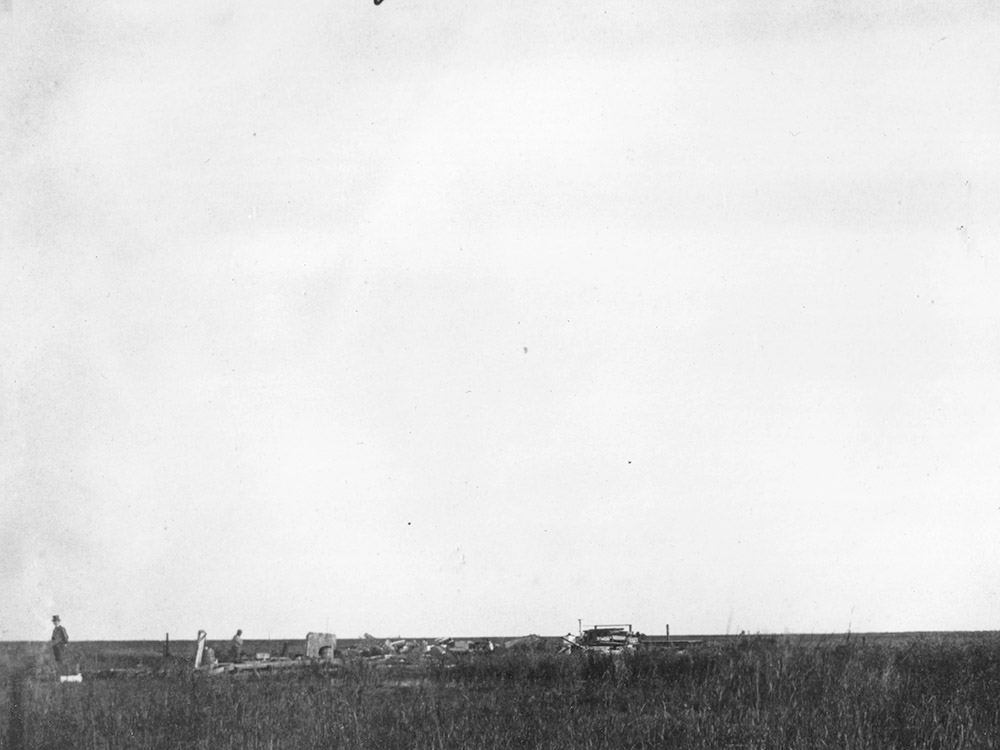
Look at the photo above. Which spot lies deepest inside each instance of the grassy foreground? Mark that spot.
(758, 692)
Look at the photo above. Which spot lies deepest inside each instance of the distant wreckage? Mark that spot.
(320, 651)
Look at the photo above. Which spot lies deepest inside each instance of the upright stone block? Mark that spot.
(320, 646)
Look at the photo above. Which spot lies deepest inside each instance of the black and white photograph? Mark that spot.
(402, 374)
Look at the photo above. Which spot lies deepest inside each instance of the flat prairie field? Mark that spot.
(874, 691)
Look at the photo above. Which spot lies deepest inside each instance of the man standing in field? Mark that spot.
(238, 646)
(59, 641)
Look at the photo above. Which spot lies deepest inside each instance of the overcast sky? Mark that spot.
(438, 317)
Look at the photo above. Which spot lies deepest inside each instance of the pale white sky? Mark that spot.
(440, 317)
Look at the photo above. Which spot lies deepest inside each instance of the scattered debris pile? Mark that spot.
(604, 639)
(320, 651)
(616, 639)
(525, 643)
(398, 649)
(464, 645)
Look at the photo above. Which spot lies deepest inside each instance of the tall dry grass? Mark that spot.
(754, 693)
